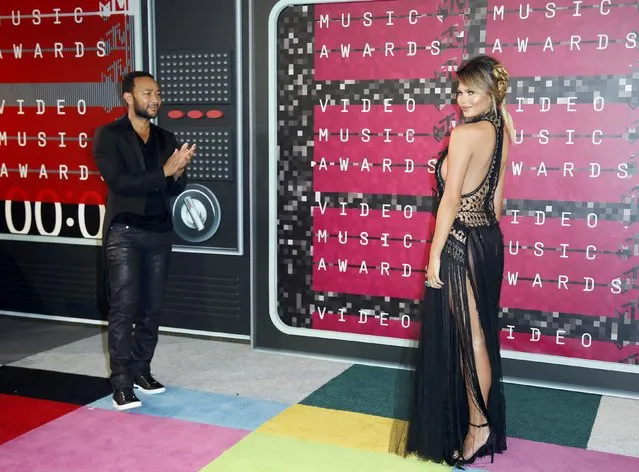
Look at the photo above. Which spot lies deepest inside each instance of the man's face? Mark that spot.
(145, 98)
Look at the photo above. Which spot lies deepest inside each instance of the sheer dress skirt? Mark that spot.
(445, 364)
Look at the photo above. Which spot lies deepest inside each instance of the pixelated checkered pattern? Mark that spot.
(298, 93)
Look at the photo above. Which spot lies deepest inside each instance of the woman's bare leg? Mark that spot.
(476, 437)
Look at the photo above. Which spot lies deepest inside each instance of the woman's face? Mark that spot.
(472, 102)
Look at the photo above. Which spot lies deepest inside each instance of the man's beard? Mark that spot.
(141, 112)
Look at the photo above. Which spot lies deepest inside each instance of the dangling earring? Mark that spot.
(494, 105)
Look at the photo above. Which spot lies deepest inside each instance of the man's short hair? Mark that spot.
(129, 80)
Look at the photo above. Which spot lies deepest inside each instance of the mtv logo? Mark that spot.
(112, 6)
(105, 9)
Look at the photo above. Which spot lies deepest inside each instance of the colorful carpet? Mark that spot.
(54, 422)
(232, 409)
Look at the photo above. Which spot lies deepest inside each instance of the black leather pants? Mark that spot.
(137, 264)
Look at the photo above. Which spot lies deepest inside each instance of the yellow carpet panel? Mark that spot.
(261, 452)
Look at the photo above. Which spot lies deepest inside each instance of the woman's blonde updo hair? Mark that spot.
(486, 74)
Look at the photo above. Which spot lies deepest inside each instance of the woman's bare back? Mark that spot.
(480, 161)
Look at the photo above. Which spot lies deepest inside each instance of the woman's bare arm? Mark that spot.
(457, 161)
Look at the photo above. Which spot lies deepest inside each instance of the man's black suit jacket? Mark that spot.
(120, 160)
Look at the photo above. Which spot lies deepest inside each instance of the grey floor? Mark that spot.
(22, 337)
(187, 362)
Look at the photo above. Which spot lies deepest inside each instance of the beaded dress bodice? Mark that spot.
(477, 207)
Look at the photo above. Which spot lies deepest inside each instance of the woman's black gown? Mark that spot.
(472, 264)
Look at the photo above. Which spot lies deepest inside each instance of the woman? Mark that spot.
(458, 411)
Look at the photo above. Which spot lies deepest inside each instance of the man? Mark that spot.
(142, 168)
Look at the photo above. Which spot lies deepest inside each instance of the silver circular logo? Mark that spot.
(196, 214)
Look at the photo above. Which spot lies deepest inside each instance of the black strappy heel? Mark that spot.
(487, 448)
